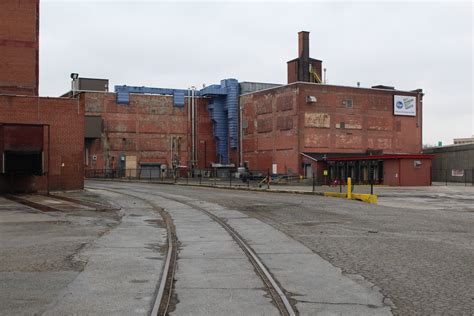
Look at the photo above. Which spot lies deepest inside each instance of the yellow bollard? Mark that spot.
(349, 188)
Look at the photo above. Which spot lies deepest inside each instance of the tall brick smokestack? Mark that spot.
(303, 45)
(303, 54)
(299, 68)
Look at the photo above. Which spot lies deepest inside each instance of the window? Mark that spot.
(347, 103)
(342, 125)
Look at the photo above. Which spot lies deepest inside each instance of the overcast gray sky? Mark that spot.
(178, 44)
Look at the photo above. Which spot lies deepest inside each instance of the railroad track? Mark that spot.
(165, 291)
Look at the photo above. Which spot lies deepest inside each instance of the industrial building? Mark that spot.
(303, 128)
(466, 140)
(41, 139)
(138, 128)
(308, 127)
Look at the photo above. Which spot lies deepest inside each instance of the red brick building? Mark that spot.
(19, 47)
(334, 131)
(303, 128)
(147, 132)
(60, 147)
(41, 139)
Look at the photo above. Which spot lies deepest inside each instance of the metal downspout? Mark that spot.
(193, 127)
(241, 135)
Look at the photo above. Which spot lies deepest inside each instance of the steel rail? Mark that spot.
(165, 290)
(278, 296)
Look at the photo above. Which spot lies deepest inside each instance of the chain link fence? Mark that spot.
(453, 177)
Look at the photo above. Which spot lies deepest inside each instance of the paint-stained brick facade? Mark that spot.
(281, 123)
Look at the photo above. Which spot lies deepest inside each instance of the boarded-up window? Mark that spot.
(284, 123)
(264, 125)
(285, 103)
(264, 107)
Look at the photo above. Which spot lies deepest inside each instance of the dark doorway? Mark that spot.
(23, 163)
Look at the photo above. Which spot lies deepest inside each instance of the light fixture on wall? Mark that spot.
(311, 99)
(74, 77)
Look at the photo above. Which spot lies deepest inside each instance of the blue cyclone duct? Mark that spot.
(224, 109)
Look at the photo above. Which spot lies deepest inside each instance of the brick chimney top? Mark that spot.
(304, 68)
(303, 45)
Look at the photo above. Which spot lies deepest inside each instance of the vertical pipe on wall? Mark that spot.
(190, 157)
(49, 156)
(171, 151)
(192, 126)
(196, 142)
(241, 112)
(195, 126)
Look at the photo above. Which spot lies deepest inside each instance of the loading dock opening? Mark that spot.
(23, 156)
(23, 163)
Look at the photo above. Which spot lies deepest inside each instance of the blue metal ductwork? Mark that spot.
(224, 109)
(232, 105)
(219, 127)
(123, 94)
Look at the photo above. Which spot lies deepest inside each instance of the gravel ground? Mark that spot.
(421, 258)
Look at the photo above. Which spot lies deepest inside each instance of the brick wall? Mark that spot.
(206, 144)
(144, 129)
(415, 176)
(270, 134)
(66, 120)
(403, 172)
(19, 47)
(332, 126)
(279, 124)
